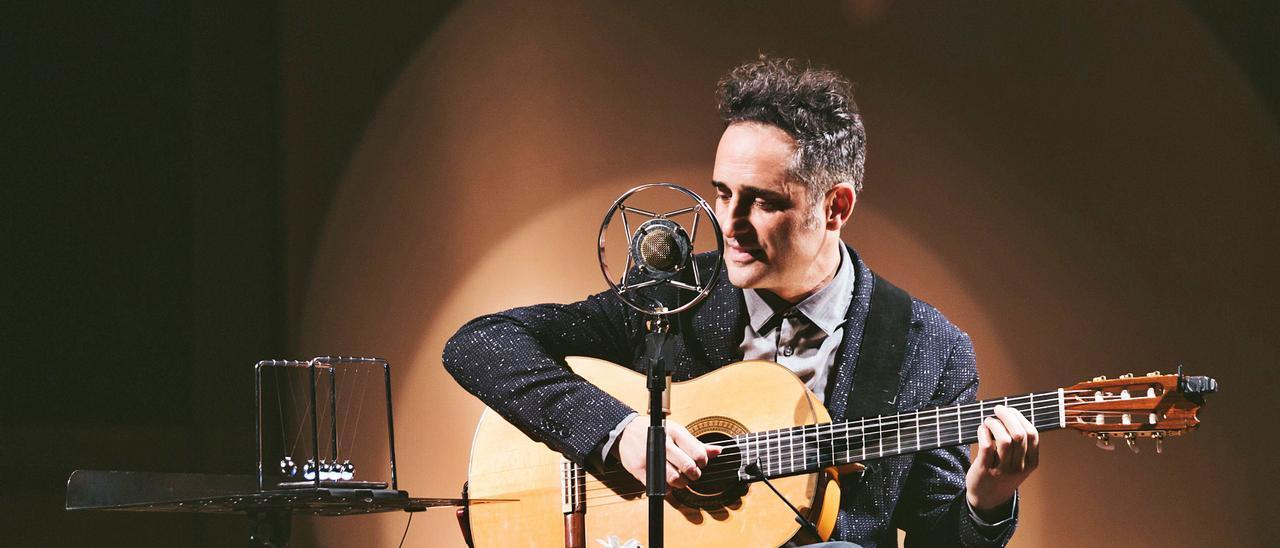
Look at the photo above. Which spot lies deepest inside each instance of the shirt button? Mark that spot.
(787, 350)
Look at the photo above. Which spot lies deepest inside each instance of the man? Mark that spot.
(787, 172)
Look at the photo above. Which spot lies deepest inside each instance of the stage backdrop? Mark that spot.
(1085, 188)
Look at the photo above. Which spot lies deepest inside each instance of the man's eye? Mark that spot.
(766, 205)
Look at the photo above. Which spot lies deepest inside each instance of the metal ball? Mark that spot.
(348, 470)
(309, 470)
(288, 468)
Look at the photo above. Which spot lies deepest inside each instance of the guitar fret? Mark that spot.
(863, 443)
(937, 421)
(791, 446)
(832, 460)
(775, 451)
(880, 427)
(959, 426)
(918, 431)
(768, 453)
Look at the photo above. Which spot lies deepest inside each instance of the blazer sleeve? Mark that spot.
(514, 362)
(933, 510)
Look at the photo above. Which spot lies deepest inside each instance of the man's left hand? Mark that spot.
(1008, 451)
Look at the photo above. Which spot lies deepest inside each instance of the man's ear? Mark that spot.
(839, 206)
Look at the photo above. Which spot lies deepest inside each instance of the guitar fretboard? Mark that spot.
(804, 449)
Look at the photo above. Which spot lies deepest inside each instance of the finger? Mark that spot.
(681, 461)
(1033, 445)
(985, 454)
(1000, 439)
(714, 451)
(1012, 421)
(674, 479)
(692, 446)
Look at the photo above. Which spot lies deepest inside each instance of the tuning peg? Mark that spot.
(1127, 376)
(1100, 378)
(1154, 374)
(1130, 440)
(1104, 442)
(1158, 435)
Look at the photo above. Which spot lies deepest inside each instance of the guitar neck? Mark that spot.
(805, 449)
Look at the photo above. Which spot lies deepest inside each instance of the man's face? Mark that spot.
(771, 236)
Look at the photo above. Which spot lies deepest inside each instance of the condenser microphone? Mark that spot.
(660, 247)
(660, 252)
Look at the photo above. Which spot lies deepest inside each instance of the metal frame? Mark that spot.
(323, 363)
(621, 287)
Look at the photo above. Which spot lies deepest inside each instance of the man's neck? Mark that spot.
(825, 266)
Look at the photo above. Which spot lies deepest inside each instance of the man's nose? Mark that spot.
(734, 220)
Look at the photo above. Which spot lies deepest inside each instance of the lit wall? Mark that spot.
(1086, 189)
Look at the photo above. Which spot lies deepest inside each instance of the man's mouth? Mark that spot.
(741, 254)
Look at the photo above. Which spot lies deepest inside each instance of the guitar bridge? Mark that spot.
(573, 502)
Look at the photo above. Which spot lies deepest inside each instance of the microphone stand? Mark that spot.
(663, 248)
(657, 350)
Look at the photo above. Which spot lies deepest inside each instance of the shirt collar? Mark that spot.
(826, 308)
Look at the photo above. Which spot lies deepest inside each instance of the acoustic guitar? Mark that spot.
(769, 425)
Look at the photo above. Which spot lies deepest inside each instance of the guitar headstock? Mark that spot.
(1152, 406)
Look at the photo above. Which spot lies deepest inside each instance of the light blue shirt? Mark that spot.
(806, 337)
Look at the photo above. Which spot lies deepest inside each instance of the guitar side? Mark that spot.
(732, 400)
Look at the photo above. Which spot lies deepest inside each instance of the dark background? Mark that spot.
(167, 166)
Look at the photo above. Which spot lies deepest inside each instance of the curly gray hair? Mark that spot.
(813, 105)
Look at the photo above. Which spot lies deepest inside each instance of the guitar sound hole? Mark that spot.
(719, 485)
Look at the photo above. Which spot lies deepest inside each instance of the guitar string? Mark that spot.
(733, 472)
(756, 440)
(882, 423)
(953, 410)
(730, 474)
(811, 456)
(759, 441)
(810, 451)
(768, 436)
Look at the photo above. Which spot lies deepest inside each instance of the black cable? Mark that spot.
(406, 529)
(753, 469)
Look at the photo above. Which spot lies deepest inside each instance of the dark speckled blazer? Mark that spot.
(514, 362)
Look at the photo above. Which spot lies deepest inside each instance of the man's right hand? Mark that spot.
(686, 456)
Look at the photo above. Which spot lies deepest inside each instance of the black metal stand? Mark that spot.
(657, 350)
(269, 529)
(269, 512)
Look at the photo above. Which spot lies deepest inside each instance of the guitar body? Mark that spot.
(745, 397)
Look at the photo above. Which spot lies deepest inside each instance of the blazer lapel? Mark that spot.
(841, 379)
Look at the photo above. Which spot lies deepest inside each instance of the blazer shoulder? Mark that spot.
(932, 322)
